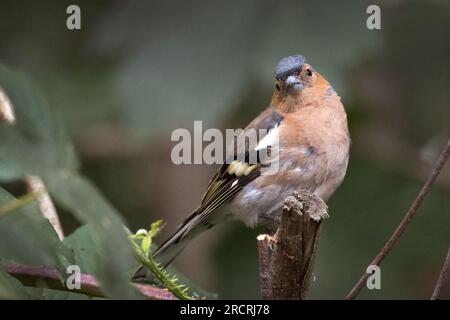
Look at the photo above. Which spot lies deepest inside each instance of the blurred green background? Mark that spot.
(137, 70)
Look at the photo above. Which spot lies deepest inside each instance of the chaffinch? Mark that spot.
(309, 121)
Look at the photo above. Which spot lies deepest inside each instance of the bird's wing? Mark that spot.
(226, 183)
(237, 172)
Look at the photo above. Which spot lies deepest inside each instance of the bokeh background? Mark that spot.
(137, 70)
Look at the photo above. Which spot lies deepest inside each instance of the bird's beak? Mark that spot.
(294, 83)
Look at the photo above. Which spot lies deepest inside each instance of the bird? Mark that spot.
(306, 125)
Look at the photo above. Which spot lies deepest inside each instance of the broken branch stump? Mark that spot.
(286, 259)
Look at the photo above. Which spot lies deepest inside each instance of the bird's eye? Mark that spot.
(309, 72)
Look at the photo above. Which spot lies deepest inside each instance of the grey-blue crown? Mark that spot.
(288, 65)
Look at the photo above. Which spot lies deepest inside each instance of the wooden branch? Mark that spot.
(51, 278)
(399, 231)
(264, 253)
(442, 278)
(45, 203)
(287, 258)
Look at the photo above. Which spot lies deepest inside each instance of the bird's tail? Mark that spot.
(189, 229)
(194, 224)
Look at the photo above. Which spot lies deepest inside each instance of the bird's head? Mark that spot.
(292, 75)
(295, 79)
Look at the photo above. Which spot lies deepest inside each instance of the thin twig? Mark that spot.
(404, 223)
(169, 282)
(442, 278)
(51, 278)
(46, 206)
(19, 202)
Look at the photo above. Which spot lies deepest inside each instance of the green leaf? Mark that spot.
(147, 236)
(83, 246)
(155, 227)
(50, 294)
(85, 250)
(26, 237)
(10, 287)
(146, 245)
(36, 143)
(109, 250)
